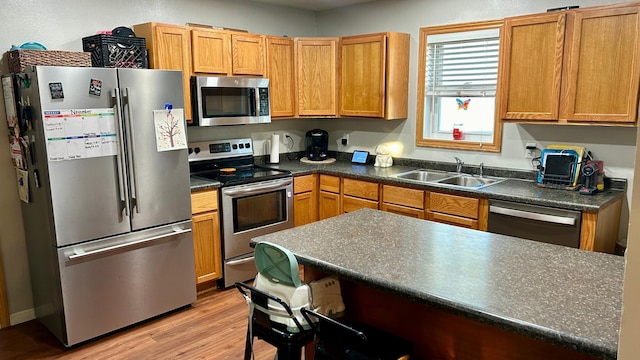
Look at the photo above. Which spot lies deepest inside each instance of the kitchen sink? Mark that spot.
(469, 181)
(424, 175)
(448, 178)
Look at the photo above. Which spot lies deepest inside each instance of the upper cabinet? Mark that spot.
(374, 75)
(571, 67)
(316, 73)
(280, 69)
(227, 53)
(169, 48)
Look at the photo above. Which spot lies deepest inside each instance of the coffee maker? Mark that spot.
(317, 143)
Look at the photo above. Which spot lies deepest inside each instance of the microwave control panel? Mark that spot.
(263, 94)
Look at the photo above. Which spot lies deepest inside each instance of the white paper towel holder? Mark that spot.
(274, 145)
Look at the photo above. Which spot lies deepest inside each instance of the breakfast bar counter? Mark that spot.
(465, 294)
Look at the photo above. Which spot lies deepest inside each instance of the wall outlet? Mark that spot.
(345, 139)
(530, 150)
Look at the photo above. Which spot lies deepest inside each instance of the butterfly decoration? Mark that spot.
(463, 105)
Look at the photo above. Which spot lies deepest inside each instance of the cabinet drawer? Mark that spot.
(204, 201)
(330, 183)
(453, 220)
(361, 189)
(403, 196)
(304, 183)
(352, 204)
(403, 210)
(454, 205)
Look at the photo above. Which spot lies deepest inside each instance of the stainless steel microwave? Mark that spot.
(226, 100)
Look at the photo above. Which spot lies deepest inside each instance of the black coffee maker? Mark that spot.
(317, 144)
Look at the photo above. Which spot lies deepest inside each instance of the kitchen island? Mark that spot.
(465, 294)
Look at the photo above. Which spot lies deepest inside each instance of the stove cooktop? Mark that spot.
(230, 162)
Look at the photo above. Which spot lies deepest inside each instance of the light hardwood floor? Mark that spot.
(214, 327)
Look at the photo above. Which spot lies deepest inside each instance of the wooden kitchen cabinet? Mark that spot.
(359, 194)
(305, 199)
(316, 76)
(374, 75)
(571, 67)
(280, 69)
(329, 197)
(169, 48)
(458, 210)
(403, 201)
(226, 52)
(206, 236)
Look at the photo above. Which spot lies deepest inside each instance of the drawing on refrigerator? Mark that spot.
(108, 223)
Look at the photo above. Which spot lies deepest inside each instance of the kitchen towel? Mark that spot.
(275, 152)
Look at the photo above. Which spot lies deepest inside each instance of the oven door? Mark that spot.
(252, 210)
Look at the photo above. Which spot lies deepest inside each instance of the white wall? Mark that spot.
(62, 24)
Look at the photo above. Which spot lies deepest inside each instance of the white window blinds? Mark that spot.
(462, 66)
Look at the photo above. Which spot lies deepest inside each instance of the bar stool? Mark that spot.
(339, 341)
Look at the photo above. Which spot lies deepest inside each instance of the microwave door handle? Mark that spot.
(124, 197)
(256, 101)
(131, 154)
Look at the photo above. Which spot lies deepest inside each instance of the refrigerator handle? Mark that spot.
(131, 154)
(124, 198)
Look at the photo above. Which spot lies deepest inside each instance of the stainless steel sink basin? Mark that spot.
(424, 175)
(469, 181)
(447, 178)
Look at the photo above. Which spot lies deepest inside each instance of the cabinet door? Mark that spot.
(247, 52)
(281, 71)
(305, 208)
(211, 51)
(362, 75)
(316, 76)
(531, 55)
(206, 242)
(305, 199)
(329, 205)
(601, 72)
(170, 49)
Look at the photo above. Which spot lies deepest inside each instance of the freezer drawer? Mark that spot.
(109, 284)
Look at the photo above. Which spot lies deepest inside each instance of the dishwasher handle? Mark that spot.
(563, 220)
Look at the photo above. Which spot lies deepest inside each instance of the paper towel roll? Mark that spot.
(275, 152)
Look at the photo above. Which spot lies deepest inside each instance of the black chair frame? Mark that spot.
(289, 343)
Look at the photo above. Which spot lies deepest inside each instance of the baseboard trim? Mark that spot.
(22, 316)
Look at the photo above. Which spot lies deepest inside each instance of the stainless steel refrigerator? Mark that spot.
(108, 219)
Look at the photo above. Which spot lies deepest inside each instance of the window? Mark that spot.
(457, 94)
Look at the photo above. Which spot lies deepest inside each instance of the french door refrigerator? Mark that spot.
(108, 219)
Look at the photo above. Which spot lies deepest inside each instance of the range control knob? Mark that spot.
(190, 151)
(197, 150)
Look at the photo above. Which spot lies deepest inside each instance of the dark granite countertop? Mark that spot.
(557, 294)
(513, 189)
(198, 183)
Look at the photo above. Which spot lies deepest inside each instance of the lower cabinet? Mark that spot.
(329, 197)
(403, 201)
(305, 199)
(358, 194)
(458, 210)
(206, 235)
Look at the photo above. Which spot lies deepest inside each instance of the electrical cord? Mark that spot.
(290, 144)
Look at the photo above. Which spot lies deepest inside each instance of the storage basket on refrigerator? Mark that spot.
(115, 51)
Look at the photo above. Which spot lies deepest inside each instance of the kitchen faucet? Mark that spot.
(459, 164)
(481, 168)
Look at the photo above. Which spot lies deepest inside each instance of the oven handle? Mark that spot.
(241, 261)
(532, 215)
(256, 188)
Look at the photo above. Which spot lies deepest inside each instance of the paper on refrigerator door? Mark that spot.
(80, 133)
(170, 132)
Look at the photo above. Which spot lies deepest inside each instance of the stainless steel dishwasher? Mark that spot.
(540, 223)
